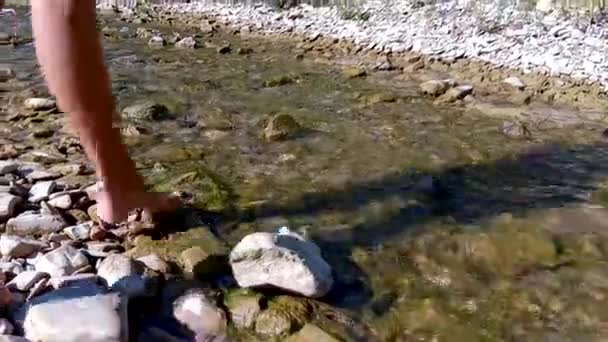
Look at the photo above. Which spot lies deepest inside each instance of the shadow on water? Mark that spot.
(547, 176)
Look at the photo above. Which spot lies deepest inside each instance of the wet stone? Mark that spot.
(355, 72)
(197, 312)
(6, 73)
(42, 175)
(515, 82)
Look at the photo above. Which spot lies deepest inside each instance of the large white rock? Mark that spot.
(63, 261)
(34, 223)
(285, 261)
(8, 205)
(19, 247)
(75, 314)
(200, 315)
(124, 275)
(62, 202)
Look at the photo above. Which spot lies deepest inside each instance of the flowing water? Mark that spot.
(438, 226)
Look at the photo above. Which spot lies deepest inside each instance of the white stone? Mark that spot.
(63, 261)
(186, 43)
(19, 247)
(75, 314)
(124, 275)
(41, 191)
(62, 202)
(200, 315)
(36, 103)
(31, 223)
(8, 205)
(285, 261)
(25, 280)
(79, 232)
(515, 82)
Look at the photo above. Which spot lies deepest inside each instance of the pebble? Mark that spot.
(30, 223)
(285, 261)
(80, 231)
(41, 191)
(6, 327)
(62, 202)
(24, 281)
(36, 103)
(8, 205)
(19, 247)
(75, 314)
(124, 275)
(63, 261)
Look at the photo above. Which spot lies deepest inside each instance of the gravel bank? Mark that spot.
(551, 44)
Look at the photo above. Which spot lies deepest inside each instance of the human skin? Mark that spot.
(71, 57)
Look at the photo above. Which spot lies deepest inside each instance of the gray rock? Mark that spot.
(63, 261)
(285, 261)
(36, 103)
(41, 175)
(6, 327)
(74, 280)
(25, 280)
(434, 87)
(41, 191)
(155, 263)
(146, 111)
(8, 205)
(187, 43)
(197, 312)
(62, 202)
(8, 166)
(31, 223)
(75, 314)
(125, 275)
(157, 41)
(79, 232)
(19, 247)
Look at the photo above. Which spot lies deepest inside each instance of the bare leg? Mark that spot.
(71, 57)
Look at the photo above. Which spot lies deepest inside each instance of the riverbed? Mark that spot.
(439, 222)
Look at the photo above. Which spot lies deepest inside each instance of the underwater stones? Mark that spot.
(278, 81)
(243, 307)
(280, 127)
(283, 315)
(285, 261)
(6, 73)
(515, 82)
(311, 333)
(157, 42)
(146, 110)
(434, 87)
(187, 43)
(354, 72)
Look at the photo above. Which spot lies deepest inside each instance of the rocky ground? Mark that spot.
(324, 199)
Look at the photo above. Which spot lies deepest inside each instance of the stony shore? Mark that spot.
(560, 58)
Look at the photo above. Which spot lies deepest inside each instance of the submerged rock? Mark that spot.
(311, 333)
(515, 82)
(285, 261)
(197, 312)
(354, 72)
(280, 127)
(434, 87)
(278, 81)
(147, 110)
(283, 316)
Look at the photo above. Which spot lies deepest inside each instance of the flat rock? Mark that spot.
(63, 261)
(285, 261)
(19, 247)
(199, 314)
(8, 205)
(36, 103)
(62, 202)
(32, 223)
(75, 314)
(80, 231)
(155, 263)
(24, 281)
(125, 275)
(41, 191)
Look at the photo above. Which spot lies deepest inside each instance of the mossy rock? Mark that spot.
(281, 127)
(278, 81)
(355, 72)
(284, 315)
(171, 248)
(147, 110)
